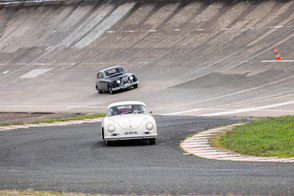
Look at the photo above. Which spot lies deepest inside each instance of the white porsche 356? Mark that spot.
(128, 121)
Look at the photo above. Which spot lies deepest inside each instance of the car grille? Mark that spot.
(125, 80)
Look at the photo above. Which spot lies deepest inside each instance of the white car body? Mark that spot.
(128, 125)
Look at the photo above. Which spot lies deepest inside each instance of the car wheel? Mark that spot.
(136, 86)
(102, 135)
(110, 89)
(108, 143)
(152, 141)
(98, 90)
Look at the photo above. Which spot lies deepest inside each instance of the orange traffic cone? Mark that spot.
(278, 57)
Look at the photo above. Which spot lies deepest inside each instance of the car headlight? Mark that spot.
(131, 77)
(110, 128)
(149, 126)
(118, 81)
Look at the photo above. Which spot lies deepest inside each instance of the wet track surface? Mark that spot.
(74, 158)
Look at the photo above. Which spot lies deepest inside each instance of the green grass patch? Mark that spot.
(82, 117)
(271, 137)
(52, 193)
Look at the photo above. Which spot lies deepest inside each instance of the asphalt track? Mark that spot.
(73, 158)
(193, 58)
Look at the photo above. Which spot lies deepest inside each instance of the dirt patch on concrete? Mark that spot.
(24, 117)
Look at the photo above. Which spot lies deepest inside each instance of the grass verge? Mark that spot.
(271, 137)
(52, 193)
(82, 117)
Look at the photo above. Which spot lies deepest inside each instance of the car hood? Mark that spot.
(130, 121)
(119, 77)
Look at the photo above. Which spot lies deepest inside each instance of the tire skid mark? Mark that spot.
(198, 12)
(256, 87)
(30, 14)
(220, 33)
(56, 23)
(149, 15)
(95, 26)
(208, 65)
(136, 7)
(274, 9)
(161, 25)
(75, 7)
(24, 19)
(71, 23)
(81, 24)
(183, 40)
(24, 53)
(240, 36)
(235, 39)
(241, 92)
(86, 16)
(172, 15)
(9, 17)
(122, 20)
(157, 7)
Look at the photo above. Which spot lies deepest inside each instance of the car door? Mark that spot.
(103, 82)
(99, 80)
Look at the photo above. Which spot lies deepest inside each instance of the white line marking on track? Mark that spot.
(224, 29)
(275, 27)
(152, 30)
(249, 109)
(269, 32)
(131, 31)
(275, 61)
(182, 112)
(5, 72)
(35, 73)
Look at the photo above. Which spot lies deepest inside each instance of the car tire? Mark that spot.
(110, 89)
(152, 141)
(136, 86)
(102, 134)
(98, 90)
(108, 143)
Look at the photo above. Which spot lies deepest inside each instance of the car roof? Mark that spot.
(126, 103)
(117, 66)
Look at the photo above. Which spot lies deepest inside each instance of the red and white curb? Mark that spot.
(199, 145)
(55, 124)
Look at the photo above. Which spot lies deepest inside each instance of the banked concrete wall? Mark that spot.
(189, 55)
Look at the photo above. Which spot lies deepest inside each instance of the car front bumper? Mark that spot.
(125, 86)
(128, 137)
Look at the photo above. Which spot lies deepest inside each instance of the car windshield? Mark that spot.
(126, 109)
(114, 71)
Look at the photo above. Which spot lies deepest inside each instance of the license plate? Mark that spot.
(127, 85)
(131, 133)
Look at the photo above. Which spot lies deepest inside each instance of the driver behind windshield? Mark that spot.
(113, 111)
(138, 109)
